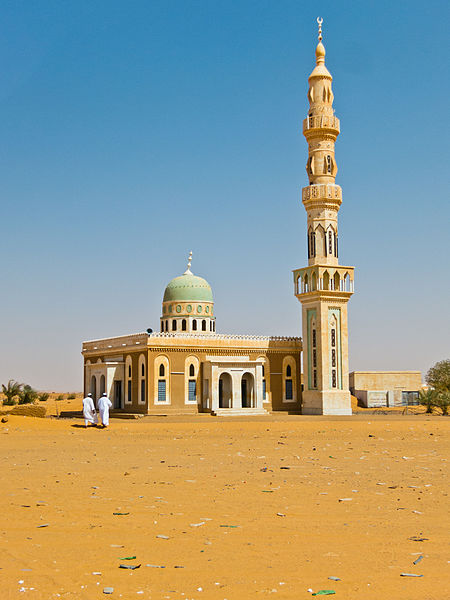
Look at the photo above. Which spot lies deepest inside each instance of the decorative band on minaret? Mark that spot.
(324, 287)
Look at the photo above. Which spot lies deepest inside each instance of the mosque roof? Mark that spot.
(188, 287)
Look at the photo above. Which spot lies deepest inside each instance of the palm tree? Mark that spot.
(428, 398)
(10, 391)
(27, 395)
(443, 402)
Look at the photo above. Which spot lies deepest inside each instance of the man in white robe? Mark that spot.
(104, 404)
(89, 412)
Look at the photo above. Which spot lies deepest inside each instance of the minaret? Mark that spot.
(324, 287)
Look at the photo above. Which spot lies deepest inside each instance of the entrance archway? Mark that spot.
(102, 385)
(248, 391)
(94, 387)
(225, 387)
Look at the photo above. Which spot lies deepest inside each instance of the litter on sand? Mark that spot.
(132, 567)
(418, 560)
(334, 578)
(409, 575)
(324, 593)
(108, 590)
(121, 514)
(232, 526)
(156, 566)
(45, 525)
(416, 538)
(345, 499)
(162, 537)
(128, 558)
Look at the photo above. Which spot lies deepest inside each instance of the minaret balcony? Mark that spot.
(322, 122)
(322, 194)
(326, 279)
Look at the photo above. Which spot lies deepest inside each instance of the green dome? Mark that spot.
(188, 288)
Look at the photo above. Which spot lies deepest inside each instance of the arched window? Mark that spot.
(174, 324)
(336, 245)
(330, 242)
(329, 164)
(167, 325)
(312, 244)
(203, 325)
(210, 325)
(142, 386)
(194, 325)
(183, 325)
(129, 381)
(161, 378)
(290, 379)
(191, 370)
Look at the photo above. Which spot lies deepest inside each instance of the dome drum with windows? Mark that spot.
(188, 305)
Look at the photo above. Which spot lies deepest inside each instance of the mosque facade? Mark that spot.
(188, 367)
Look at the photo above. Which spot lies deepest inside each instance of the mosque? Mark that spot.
(188, 367)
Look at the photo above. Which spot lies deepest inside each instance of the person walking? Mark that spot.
(89, 412)
(104, 404)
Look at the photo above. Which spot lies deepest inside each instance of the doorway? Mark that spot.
(117, 394)
(247, 391)
(225, 390)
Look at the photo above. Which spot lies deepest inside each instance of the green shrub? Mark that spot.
(71, 397)
(443, 402)
(27, 395)
(60, 397)
(438, 376)
(43, 397)
(11, 391)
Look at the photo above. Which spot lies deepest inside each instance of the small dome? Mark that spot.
(188, 288)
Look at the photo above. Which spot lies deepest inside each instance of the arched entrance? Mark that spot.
(225, 387)
(94, 387)
(102, 385)
(248, 391)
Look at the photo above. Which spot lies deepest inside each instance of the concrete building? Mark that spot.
(385, 388)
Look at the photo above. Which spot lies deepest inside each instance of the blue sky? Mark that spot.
(133, 132)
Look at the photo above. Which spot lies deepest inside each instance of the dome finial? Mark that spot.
(320, 50)
(319, 22)
(188, 270)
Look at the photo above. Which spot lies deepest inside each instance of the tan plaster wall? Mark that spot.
(177, 349)
(385, 380)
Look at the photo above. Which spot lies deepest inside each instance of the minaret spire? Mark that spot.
(319, 22)
(188, 270)
(324, 287)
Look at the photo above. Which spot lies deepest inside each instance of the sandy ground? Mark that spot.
(250, 509)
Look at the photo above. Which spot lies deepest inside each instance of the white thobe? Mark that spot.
(104, 404)
(89, 412)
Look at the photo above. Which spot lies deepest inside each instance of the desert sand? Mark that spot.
(246, 509)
